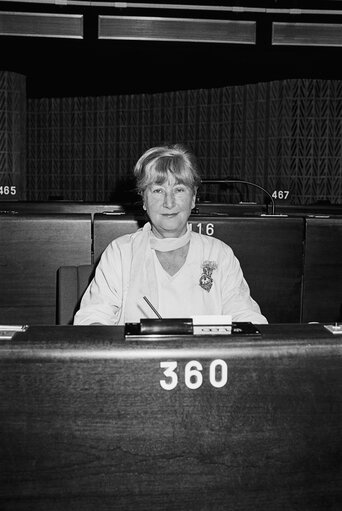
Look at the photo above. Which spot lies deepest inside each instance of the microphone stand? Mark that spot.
(242, 181)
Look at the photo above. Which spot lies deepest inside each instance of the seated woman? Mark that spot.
(181, 273)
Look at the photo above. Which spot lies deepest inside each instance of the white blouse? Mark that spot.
(210, 282)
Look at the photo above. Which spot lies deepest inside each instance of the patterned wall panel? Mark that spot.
(284, 135)
(12, 136)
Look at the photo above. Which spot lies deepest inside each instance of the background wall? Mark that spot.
(282, 135)
(12, 136)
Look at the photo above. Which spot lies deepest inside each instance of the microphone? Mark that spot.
(242, 181)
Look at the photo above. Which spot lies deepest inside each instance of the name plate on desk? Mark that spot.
(150, 329)
(212, 325)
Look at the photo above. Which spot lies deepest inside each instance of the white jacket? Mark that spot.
(127, 272)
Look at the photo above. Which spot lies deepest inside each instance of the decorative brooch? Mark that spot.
(206, 280)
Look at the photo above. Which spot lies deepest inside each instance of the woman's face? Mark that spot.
(169, 206)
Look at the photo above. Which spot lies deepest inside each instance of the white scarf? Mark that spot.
(168, 244)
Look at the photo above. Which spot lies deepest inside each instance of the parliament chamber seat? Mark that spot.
(32, 248)
(292, 264)
(72, 281)
(270, 250)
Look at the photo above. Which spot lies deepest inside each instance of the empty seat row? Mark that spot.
(293, 265)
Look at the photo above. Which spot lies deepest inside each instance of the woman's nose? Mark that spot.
(169, 200)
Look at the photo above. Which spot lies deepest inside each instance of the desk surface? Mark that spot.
(91, 422)
(66, 341)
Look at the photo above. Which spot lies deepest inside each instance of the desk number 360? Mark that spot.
(193, 377)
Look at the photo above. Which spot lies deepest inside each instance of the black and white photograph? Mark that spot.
(171, 255)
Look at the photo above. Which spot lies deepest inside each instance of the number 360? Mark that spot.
(193, 377)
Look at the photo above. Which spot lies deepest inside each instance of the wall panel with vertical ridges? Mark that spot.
(283, 135)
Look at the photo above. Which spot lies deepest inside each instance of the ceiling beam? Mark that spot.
(41, 25)
(176, 29)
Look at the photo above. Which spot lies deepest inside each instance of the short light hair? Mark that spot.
(157, 163)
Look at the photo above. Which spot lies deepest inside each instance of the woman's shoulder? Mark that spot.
(122, 243)
(126, 239)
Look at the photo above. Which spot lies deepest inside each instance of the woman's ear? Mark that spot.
(143, 200)
(193, 204)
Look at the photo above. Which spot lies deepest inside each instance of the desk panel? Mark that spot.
(322, 299)
(32, 248)
(269, 249)
(87, 425)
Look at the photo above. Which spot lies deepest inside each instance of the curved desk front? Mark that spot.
(93, 422)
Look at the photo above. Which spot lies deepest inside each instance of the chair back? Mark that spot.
(72, 281)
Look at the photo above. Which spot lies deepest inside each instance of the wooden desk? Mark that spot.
(87, 425)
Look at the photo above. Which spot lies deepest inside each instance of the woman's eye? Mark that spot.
(157, 190)
(180, 189)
